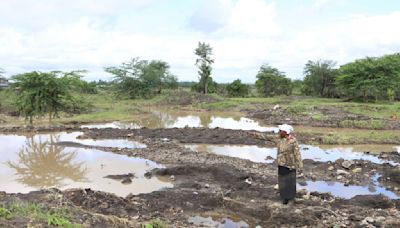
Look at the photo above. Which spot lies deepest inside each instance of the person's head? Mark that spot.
(285, 130)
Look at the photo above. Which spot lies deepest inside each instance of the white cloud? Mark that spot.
(243, 33)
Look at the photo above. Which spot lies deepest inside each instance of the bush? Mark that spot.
(237, 89)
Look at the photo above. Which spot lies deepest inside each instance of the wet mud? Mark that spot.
(205, 183)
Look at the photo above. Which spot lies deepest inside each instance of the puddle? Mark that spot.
(34, 162)
(72, 137)
(258, 154)
(222, 223)
(252, 153)
(338, 189)
(166, 118)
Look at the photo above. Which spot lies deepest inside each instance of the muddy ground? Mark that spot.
(207, 183)
(327, 116)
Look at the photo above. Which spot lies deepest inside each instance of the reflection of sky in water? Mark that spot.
(210, 222)
(72, 137)
(174, 119)
(338, 189)
(43, 161)
(258, 154)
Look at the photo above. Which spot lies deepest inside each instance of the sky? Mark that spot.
(89, 35)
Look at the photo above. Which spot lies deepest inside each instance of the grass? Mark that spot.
(365, 124)
(351, 136)
(156, 223)
(36, 214)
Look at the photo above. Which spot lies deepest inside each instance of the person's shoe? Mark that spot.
(285, 201)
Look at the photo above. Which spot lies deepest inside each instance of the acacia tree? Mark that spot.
(142, 78)
(40, 93)
(203, 62)
(270, 82)
(320, 78)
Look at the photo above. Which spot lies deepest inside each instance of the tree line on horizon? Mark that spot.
(367, 79)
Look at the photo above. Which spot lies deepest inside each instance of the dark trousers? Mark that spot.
(287, 183)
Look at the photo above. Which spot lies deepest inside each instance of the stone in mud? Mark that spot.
(276, 187)
(347, 164)
(121, 176)
(342, 172)
(126, 180)
(357, 170)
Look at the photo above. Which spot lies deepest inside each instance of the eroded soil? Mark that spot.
(205, 183)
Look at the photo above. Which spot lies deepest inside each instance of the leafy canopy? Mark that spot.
(270, 82)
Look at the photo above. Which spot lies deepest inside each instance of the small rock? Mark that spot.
(346, 164)
(342, 172)
(330, 168)
(126, 180)
(313, 177)
(248, 181)
(346, 183)
(276, 187)
(104, 205)
(207, 186)
(339, 177)
(306, 196)
(172, 177)
(396, 189)
(196, 193)
(369, 220)
(357, 170)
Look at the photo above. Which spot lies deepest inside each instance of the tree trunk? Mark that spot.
(206, 87)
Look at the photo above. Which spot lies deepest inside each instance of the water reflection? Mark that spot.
(42, 164)
(259, 154)
(340, 190)
(29, 163)
(220, 223)
(166, 118)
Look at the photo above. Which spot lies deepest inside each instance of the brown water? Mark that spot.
(167, 118)
(34, 162)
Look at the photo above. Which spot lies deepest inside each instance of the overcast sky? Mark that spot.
(91, 34)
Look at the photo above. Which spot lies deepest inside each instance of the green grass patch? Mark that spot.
(156, 223)
(366, 124)
(35, 213)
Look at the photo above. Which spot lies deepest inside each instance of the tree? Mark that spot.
(43, 164)
(320, 78)
(371, 78)
(203, 62)
(237, 89)
(270, 82)
(142, 78)
(39, 93)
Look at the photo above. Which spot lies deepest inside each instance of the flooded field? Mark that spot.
(322, 153)
(159, 118)
(34, 162)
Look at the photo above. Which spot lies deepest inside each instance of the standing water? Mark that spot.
(166, 118)
(34, 162)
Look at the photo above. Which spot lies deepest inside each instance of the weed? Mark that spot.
(156, 223)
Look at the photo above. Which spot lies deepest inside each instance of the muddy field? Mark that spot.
(210, 189)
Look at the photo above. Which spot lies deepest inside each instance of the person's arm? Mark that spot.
(263, 136)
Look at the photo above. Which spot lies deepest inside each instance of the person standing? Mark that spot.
(288, 159)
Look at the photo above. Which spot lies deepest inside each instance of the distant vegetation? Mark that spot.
(36, 94)
(142, 78)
